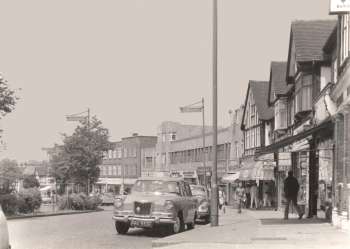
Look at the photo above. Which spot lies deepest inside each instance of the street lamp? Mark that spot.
(194, 108)
(214, 200)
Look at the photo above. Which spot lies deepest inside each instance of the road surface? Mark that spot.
(89, 231)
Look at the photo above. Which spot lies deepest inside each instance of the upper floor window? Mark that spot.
(172, 136)
(303, 93)
(344, 37)
(281, 114)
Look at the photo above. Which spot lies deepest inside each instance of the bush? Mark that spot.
(78, 202)
(92, 202)
(30, 182)
(28, 200)
(9, 203)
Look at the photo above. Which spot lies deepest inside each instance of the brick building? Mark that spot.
(123, 164)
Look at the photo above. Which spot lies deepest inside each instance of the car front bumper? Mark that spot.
(159, 219)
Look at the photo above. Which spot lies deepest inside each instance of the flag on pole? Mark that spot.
(192, 108)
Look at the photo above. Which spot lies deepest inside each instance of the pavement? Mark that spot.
(254, 229)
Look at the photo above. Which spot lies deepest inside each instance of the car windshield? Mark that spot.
(155, 186)
(197, 190)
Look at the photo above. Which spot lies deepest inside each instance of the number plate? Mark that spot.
(141, 223)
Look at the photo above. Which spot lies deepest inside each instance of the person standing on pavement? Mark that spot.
(222, 200)
(240, 193)
(254, 195)
(291, 189)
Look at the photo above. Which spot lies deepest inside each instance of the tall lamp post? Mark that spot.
(214, 200)
(195, 108)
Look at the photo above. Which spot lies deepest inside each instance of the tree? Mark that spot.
(7, 97)
(9, 174)
(78, 159)
(30, 182)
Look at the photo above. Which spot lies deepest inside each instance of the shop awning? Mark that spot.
(291, 139)
(230, 177)
(256, 170)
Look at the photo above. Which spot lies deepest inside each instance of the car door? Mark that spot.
(191, 203)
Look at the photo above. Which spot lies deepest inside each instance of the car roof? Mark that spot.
(163, 178)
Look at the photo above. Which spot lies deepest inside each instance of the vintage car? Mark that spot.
(4, 235)
(156, 202)
(202, 195)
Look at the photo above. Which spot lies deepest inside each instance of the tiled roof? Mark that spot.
(260, 91)
(310, 38)
(278, 84)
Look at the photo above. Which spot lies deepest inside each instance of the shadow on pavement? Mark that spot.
(276, 221)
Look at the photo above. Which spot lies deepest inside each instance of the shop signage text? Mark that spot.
(339, 6)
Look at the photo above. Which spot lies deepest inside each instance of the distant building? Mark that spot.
(179, 150)
(41, 171)
(123, 164)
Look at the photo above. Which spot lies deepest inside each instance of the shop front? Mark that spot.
(259, 172)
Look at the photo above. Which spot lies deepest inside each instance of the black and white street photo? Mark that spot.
(175, 124)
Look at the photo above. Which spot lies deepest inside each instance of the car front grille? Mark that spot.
(142, 208)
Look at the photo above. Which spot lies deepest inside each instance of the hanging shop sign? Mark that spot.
(339, 6)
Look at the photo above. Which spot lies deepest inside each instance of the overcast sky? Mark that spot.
(133, 62)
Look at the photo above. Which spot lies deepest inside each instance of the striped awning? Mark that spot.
(256, 170)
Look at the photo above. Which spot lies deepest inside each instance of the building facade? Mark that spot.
(303, 132)
(123, 164)
(338, 49)
(180, 149)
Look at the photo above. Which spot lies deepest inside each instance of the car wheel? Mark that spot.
(121, 227)
(207, 219)
(178, 226)
(192, 224)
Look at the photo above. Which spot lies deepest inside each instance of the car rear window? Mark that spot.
(156, 186)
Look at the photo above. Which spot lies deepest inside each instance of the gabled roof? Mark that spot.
(260, 92)
(309, 38)
(277, 83)
(331, 41)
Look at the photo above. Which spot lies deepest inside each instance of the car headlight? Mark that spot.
(169, 205)
(118, 203)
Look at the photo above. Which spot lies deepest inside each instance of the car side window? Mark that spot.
(188, 189)
(182, 188)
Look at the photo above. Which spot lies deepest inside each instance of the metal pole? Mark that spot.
(214, 200)
(203, 131)
(88, 125)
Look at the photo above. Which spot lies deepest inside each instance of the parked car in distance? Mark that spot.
(156, 202)
(4, 234)
(107, 198)
(202, 195)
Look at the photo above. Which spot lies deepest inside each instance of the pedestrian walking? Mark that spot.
(222, 200)
(291, 189)
(240, 193)
(254, 195)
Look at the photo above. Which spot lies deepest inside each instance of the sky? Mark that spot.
(133, 62)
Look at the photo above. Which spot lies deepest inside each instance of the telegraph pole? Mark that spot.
(214, 187)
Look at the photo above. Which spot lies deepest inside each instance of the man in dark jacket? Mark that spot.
(291, 189)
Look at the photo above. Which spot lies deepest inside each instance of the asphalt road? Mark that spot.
(90, 231)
